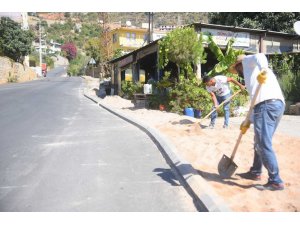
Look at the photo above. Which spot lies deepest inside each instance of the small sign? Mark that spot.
(92, 61)
(221, 37)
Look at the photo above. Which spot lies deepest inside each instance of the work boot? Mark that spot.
(211, 126)
(249, 176)
(270, 187)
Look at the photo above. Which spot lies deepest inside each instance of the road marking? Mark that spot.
(143, 182)
(99, 163)
(64, 143)
(94, 164)
(10, 187)
(69, 118)
(57, 144)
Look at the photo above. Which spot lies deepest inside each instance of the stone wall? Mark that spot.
(10, 70)
(294, 109)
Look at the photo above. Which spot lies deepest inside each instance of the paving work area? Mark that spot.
(203, 148)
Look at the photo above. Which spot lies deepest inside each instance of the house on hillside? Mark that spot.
(144, 61)
(54, 47)
(128, 39)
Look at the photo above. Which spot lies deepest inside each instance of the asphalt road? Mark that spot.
(61, 152)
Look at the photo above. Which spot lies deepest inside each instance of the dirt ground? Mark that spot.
(203, 148)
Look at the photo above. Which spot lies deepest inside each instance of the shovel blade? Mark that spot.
(226, 167)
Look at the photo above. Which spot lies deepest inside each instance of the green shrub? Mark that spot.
(287, 69)
(189, 93)
(12, 79)
(160, 91)
(129, 88)
(77, 65)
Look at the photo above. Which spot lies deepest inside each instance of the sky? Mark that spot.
(151, 6)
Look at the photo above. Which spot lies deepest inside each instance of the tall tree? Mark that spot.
(92, 49)
(14, 42)
(182, 47)
(275, 21)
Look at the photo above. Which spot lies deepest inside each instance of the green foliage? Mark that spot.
(287, 68)
(15, 43)
(239, 100)
(275, 21)
(117, 53)
(189, 92)
(12, 79)
(130, 88)
(49, 61)
(160, 91)
(92, 49)
(77, 65)
(225, 60)
(182, 47)
(34, 60)
(63, 33)
(160, 18)
(44, 24)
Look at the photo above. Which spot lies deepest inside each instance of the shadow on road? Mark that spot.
(167, 175)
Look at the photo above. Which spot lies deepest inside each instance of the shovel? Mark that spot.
(226, 166)
(227, 100)
(197, 127)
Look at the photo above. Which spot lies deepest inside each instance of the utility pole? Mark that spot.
(150, 27)
(40, 49)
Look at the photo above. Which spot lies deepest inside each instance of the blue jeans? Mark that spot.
(226, 108)
(266, 119)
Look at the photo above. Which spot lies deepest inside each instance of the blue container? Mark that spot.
(197, 113)
(189, 112)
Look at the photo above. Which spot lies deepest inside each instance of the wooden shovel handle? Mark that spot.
(227, 100)
(247, 118)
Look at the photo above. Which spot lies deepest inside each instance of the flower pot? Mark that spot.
(162, 107)
(189, 112)
(197, 113)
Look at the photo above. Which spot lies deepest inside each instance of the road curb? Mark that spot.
(204, 197)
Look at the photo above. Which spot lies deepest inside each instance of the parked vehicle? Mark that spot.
(44, 69)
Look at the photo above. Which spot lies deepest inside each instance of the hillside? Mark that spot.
(160, 18)
(79, 27)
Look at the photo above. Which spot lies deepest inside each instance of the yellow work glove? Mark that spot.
(262, 76)
(244, 126)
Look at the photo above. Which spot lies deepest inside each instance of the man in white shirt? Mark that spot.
(219, 90)
(268, 110)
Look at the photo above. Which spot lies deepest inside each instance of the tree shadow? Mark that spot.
(189, 122)
(167, 175)
(183, 122)
(217, 178)
(132, 108)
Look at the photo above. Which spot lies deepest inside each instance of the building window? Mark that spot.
(133, 35)
(128, 36)
(146, 37)
(115, 38)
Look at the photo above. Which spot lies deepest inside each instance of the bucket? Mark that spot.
(147, 88)
(197, 113)
(189, 112)
(162, 107)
